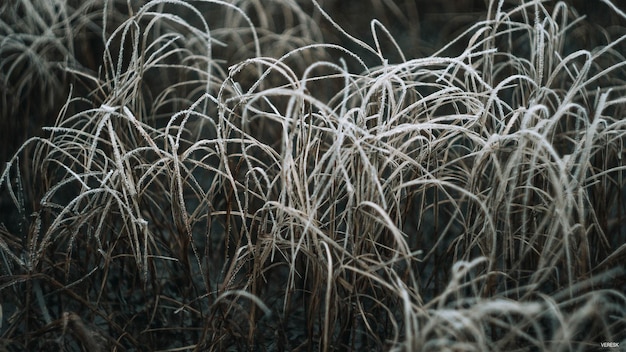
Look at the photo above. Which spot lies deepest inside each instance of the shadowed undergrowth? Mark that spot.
(222, 178)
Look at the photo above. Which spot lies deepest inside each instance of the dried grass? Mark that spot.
(231, 181)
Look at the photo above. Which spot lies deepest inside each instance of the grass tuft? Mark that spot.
(221, 176)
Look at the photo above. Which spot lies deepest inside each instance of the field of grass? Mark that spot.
(276, 175)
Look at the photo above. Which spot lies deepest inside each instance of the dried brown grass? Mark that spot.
(233, 182)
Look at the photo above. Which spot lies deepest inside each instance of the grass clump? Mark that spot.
(226, 179)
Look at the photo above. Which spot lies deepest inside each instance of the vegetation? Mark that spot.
(231, 175)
